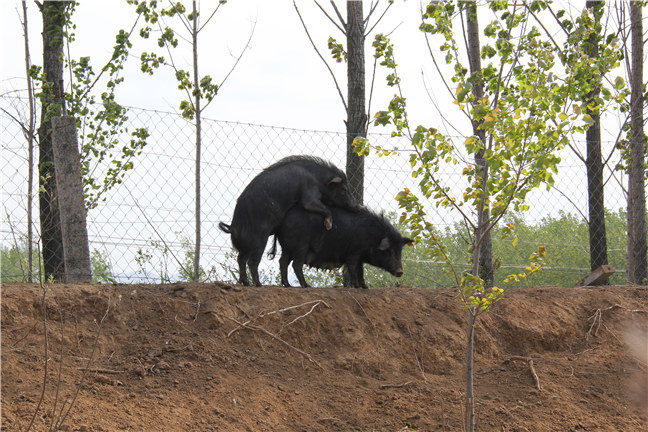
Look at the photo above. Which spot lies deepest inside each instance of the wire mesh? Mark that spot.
(143, 229)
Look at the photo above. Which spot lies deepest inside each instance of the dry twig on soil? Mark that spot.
(386, 386)
(272, 335)
(529, 362)
(597, 321)
(104, 371)
(264, 314)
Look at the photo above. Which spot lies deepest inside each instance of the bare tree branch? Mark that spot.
(105, 68)
(247, 45)
(183, 20)
(30, 148)
(372, 8)
(544, 28)
(173, 66)
(445, 83)
(571, 202)
(605, 162)
(378, 20)
(558, 19)
(576, 152)
(331, 19)
(346, 109)
(339, 15)
(210, 16)
(436, 105)
(44, 309)
(373, 78)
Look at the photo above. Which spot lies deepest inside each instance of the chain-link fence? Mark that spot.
(143, 230)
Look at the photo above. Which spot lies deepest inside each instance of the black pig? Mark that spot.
(356, 238)
(304, 181)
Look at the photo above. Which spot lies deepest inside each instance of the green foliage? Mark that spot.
(153, 263)
(101, 268)
(186, 271)
(566, 261)
(14, 265)
(101, 120)
(337, 50)
(521, 118)
(154, 16)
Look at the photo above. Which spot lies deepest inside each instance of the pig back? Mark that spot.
(268, 197)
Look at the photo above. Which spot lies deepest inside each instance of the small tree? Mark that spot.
(199, 91)
(596, 97)
(103, 161)
(29, 133)
(355, 29)
(522, 114)
(55, 15)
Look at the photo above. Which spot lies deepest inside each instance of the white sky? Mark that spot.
(279, 81)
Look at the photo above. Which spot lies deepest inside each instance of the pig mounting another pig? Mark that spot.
(306, 182)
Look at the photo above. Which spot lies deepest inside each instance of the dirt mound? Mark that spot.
(175, 357)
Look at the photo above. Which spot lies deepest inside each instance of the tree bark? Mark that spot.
(594, 163)
(637, 266)
(482, 252)
(194, 34)
(76, 251)
(51, 102)
(30, 149)
(483, 213)
(356, 124)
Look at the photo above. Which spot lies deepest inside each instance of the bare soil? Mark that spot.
(169, 357)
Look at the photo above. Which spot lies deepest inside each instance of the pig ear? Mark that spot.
(408, 241)
(335, 181)
(384, 244)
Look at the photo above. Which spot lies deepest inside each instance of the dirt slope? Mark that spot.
(380, 360)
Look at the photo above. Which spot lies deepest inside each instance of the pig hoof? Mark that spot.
(328, 223)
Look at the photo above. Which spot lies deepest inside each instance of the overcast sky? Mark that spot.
(279, 81)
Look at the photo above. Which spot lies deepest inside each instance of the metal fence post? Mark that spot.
(76, 251)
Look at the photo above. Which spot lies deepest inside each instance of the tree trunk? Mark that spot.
(637, 267)
(594, 164)
(482, 251)
(194, 34)
(76, 251)
(30, 150)
(469, 421)
(51, 102)
(483, 212)
(356, 124)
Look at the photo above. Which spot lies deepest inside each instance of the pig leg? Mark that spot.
(311, 202)
(298, 267)
(360, 274)
(299, 258)
(283, 268)
(242, 260)
(353, 265)
(253, 262)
